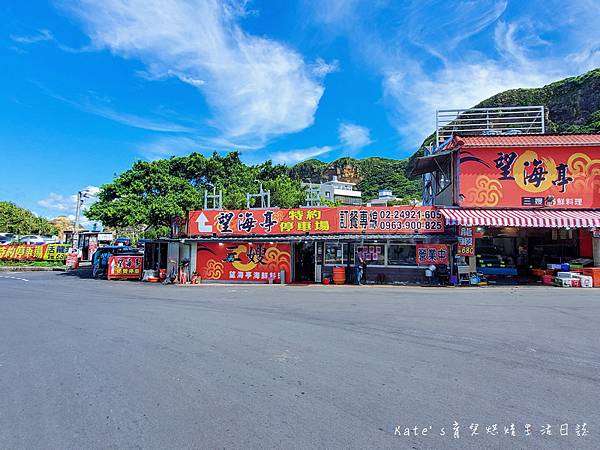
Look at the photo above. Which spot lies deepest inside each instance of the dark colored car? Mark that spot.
(101, 256)
(122, 241)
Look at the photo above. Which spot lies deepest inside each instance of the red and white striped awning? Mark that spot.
(531, 218)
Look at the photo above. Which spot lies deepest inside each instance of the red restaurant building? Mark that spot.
(518, 202)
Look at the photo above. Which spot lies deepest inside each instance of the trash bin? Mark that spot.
(339, 275)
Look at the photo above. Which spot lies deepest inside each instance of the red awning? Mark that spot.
(522, 218)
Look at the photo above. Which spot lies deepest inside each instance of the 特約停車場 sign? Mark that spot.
(399, 219)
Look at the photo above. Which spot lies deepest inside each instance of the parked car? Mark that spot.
(7, 238)
(122, 241)
(32, 239)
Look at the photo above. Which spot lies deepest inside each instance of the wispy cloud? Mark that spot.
(482, 48)
(256, 87)
(294, 156)
(167, 146)
(99, 108)
(40, 36)
(354, 136)
(321, 68)
(45, 35)
(132, 120)
(67, 203)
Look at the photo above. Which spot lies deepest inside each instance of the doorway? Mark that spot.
(304, 262)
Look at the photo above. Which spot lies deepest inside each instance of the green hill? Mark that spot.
(572, 106)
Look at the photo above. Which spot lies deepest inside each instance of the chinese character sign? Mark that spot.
(125, 266)
(34, 252)
(400, 219)
(558, 177)
(432, 254)
(235, 261)
(466, 241)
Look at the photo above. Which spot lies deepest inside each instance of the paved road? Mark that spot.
(96, 364)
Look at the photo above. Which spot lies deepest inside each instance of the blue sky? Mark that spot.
(86, 90)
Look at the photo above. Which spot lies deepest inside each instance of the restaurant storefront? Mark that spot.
(528, 202)
(304, 245)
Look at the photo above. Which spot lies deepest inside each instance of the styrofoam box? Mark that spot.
(585, 280)
(567, 275)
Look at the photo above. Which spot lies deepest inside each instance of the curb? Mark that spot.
(31, 269)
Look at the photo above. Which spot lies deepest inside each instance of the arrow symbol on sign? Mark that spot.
(203, 225)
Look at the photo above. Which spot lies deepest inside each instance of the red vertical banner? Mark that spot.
(466, 241)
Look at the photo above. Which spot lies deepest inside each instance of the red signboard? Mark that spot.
(346, 219)
(466, 241)
(125, 266)
(73, 257)
(432, 254)
(557, 177)
(236, 261)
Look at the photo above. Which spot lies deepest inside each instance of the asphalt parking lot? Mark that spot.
(96, 364)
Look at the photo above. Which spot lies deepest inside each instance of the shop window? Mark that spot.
(337, 253)
(334, 253)
(402, 255)
(372, 253)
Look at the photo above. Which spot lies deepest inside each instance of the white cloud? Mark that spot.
(58, 202)
(294, 156)
(321, 68)
(353, 136)
(480, 48)
(44, 36)
(256, 87)
(102, 109)
(41, 36)
(168, 146)
(68, 203)
(133, 120)
(414, 99)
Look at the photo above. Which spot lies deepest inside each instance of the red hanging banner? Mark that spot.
(466, 241)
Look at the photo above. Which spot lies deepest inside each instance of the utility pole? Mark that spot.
(80, 196)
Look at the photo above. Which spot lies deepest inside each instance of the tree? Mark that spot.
(158, 193)
(14, 219)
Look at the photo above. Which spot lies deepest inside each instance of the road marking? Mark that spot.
(14, 278)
